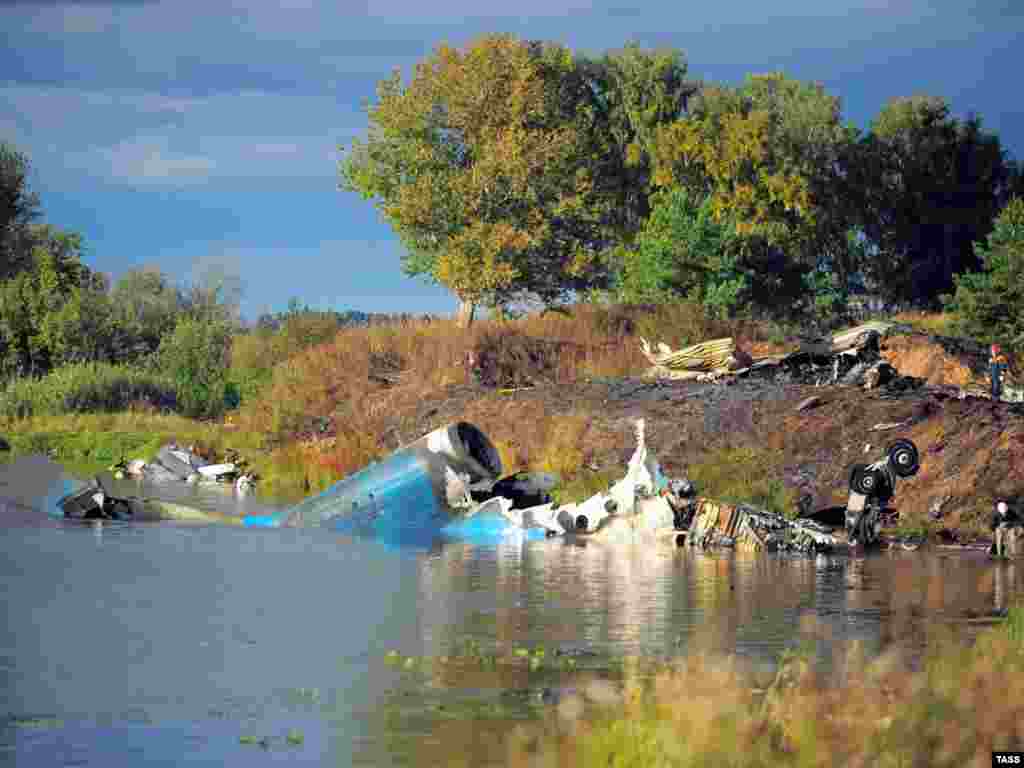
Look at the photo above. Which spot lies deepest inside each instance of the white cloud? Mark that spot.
(131, 136)
(145, 160)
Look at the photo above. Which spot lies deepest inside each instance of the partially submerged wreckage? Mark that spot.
(449, 484)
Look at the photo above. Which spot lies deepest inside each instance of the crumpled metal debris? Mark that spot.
(718, 524)
(709, 358)
(645, 504)
(176, 464)
(631, 505)
(854, 355)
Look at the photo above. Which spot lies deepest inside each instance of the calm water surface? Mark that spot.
(170, 643)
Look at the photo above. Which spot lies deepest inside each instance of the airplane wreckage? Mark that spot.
(448, 484)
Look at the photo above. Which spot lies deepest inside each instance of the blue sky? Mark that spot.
(192, 134)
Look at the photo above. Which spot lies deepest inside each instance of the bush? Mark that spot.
(86, 387)
(683, 252)
(508, 358)
(195, 357)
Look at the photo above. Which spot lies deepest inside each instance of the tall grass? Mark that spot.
(951, 708)
(86, 387)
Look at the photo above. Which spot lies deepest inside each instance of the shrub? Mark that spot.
(683, 252)
(195, 357)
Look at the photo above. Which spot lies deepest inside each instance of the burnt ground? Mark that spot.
(972, 450)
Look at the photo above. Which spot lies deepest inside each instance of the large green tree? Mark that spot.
(932, 185)
(19, 207)
(990, 303)
(503, 167)
(768, 156)
(54, 311)
(146, 305)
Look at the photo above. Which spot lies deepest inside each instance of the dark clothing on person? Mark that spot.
(996, 365)
(1010, 518)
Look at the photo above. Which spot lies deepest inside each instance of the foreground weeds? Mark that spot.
(951, 708)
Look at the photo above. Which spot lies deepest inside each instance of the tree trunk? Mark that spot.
(467, 311)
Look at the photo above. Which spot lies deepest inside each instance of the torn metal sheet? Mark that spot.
(415, 491)
(694, 362)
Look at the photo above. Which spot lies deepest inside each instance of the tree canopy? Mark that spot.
(932, 187)
(19, 207)
(510, 167)
(990, 302)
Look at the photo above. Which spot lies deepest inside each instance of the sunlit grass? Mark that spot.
(951, 708)
(744, 475)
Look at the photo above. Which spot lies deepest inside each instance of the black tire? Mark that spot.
(868, 482)
(856, 476)
(903, 458)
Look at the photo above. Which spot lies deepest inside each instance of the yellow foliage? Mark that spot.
(749, 184)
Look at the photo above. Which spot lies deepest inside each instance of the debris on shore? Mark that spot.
(175, 464)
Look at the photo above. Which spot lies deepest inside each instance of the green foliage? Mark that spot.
(636, 91)
(145, 306)
(254, 354)
(85, 387)
(990, 303)
(827, 297)
(508, 168)
(683, 252)
(54, 312)
(931, 187)
(195, 356)
(743, 475)
(19, 206)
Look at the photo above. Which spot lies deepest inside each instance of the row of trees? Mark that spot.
(56, 311)
(515, 168)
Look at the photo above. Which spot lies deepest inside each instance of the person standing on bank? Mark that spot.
(997, 365)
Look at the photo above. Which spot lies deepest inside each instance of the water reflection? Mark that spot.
(227, 630)
(655, 600)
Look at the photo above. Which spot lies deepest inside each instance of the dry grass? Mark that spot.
(952, 709)
(336, 386)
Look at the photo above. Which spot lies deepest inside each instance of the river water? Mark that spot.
(172, 643)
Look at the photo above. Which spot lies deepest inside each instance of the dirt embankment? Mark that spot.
(972, 450)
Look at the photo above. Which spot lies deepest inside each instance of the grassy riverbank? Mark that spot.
(951, 708)
(330, 408)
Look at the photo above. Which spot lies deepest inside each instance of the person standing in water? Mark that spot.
(997, 365)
